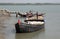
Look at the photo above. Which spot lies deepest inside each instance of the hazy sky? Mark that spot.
(29, 1)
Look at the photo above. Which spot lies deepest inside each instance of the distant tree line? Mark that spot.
(29, 3)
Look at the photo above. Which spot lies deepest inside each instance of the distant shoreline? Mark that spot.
(29, 3)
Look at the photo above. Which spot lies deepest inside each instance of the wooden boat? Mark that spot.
(30, 25)
(24, 15)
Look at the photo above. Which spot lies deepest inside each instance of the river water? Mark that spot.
(52, 22)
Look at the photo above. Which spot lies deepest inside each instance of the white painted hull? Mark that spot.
(34, 22)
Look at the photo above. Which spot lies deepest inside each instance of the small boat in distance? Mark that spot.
(28, 14)
(31, 24)
(25, 14)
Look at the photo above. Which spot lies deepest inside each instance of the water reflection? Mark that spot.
(33, 35)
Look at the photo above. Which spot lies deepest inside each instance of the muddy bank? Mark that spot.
(2, 27)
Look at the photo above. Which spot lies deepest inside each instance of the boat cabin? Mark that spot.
(36, 19)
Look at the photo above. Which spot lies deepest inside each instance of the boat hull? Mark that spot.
(25, 28)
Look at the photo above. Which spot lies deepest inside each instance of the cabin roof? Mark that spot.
(35, 18)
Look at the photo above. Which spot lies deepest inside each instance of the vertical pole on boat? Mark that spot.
(37, 14)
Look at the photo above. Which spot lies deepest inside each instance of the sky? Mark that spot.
(29, 1)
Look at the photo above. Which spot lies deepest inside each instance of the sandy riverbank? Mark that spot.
(2, 27)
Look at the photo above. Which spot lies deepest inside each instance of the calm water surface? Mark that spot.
(52, 24)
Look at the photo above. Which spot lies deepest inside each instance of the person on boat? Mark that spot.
(19, 22)
(29, 14)
(26, 13)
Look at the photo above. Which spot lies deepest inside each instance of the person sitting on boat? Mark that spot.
(29, 14)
